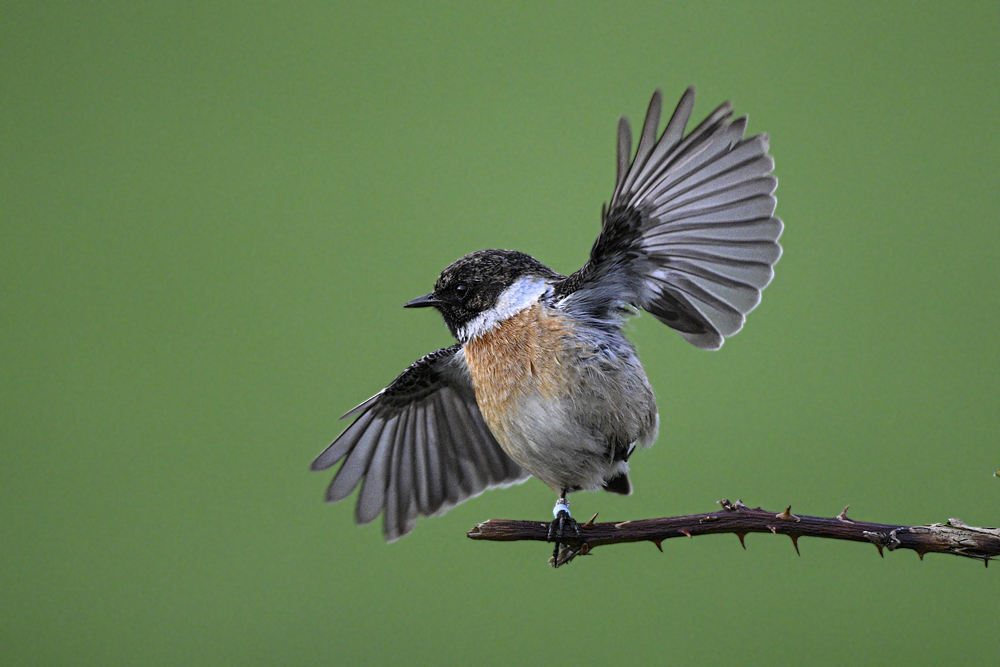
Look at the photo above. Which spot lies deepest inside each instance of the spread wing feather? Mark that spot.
(418, 447)
(690, 234)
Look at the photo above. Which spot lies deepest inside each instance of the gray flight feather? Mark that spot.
(371, 500)
(690, 233)
(418, 447)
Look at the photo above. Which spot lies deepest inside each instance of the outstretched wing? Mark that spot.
(690, 234)
(421, 446)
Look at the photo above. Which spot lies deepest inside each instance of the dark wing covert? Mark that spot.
(690, 234)
(421, 445)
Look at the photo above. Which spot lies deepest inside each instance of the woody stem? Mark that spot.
(953, 537)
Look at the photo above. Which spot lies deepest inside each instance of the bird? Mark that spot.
(542, 380)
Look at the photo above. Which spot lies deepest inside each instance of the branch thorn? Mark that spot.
(589, 523)
(787, 514)
(659, 544)
(685, 531)
(882, 540)
(773, 530)
(742, 536)
(795, 542)
(843, 515)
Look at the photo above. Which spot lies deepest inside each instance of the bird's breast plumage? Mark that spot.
(520, 357)
(559, 404)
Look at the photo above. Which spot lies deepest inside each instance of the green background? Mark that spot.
(212, 212)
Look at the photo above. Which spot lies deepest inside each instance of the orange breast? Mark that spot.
(522, 355)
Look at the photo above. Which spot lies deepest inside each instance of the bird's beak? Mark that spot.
(424, 301)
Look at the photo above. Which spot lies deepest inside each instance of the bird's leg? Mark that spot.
(557, 528)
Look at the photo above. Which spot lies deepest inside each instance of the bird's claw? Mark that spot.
(557, 530)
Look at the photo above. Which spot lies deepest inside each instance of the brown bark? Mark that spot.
(952, 537)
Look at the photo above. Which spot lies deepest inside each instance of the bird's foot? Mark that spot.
(557, 530)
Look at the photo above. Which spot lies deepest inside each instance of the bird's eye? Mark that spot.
(461, 291)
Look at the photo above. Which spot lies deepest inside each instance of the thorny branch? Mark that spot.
(953, 537)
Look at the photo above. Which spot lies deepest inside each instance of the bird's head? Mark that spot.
(481, 290)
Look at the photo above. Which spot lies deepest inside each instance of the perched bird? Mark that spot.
(542, 380)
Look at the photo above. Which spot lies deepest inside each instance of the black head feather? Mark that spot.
(472, 284)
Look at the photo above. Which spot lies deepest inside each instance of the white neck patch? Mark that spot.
(522, 294)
